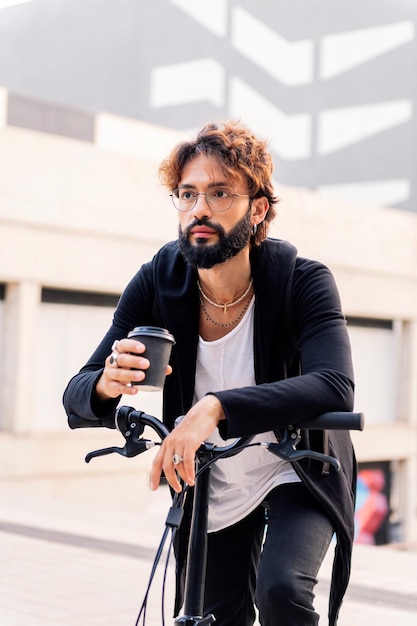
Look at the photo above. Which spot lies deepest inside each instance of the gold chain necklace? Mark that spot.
(228, 324)
(225, 304)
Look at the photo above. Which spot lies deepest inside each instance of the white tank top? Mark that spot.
(240, 483)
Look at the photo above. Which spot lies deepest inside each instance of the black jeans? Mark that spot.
(281, 575)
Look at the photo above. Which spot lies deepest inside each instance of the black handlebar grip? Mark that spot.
(334, 420)
(75, 421)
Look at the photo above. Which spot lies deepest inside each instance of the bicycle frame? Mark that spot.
(131, 423)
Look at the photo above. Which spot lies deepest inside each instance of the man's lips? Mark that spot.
(202, 232)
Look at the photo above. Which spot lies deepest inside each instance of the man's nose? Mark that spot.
(201, 207)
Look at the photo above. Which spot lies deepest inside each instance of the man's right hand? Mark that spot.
(123, 366)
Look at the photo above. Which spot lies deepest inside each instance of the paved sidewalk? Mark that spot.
(69, 561)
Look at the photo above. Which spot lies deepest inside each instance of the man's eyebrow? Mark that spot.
(209, 186)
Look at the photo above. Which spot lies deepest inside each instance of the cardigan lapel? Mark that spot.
(272, 269)
(177, 296)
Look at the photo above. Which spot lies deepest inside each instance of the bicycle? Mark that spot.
(131, 424)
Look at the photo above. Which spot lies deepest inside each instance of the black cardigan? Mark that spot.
(302, 368)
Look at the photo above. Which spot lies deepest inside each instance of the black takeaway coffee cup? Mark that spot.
(158, 342)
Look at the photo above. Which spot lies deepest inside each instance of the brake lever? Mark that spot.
(131, 448)
(286, 450)
(131, 428)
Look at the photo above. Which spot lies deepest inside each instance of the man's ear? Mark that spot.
(260, 207)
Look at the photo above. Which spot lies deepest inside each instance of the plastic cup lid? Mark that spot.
(152, 331)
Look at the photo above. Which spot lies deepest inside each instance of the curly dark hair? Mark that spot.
(238, 152)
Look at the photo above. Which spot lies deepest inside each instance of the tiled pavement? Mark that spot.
(67, 561)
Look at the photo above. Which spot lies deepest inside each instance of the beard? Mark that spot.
(205, 256)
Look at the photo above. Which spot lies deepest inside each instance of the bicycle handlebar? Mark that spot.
(131, 424)
(333, 420)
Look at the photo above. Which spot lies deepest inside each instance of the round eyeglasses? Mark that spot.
(219, 200)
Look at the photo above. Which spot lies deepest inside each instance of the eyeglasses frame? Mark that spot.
(232, 196)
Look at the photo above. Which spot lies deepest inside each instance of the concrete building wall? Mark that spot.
(77, 219)
(332, 84)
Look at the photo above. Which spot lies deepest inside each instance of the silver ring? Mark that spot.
(177, 459)
(113, 358)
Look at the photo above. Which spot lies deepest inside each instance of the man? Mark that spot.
(261, 343)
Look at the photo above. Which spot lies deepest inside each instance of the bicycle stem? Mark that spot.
(197, 548)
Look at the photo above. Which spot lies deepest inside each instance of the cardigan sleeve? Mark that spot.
(326, 379)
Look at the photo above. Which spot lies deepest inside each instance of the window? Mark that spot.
(375, 350)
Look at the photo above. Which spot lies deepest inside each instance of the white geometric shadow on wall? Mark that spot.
(343, 51)
(342, 127)
(212, 14)
(291, 63)
(202, 80)
(387, 192)
(290, 135)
